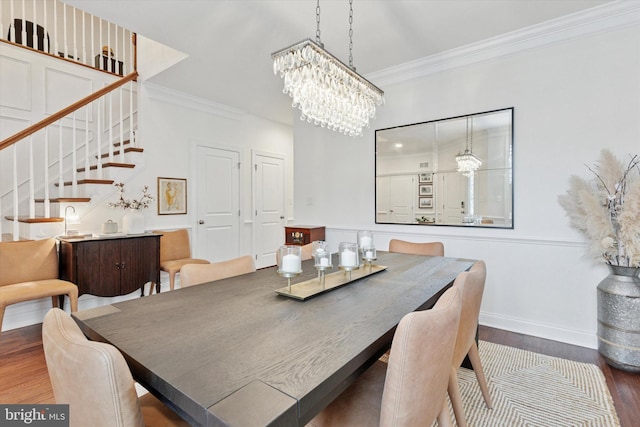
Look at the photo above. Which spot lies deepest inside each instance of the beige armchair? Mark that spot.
(429, 248)
(28, 271)
(196, 274)
(471, 286)
(175, 253)
(411, 390)
(94, 380)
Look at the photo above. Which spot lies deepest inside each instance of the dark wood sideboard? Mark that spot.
(109, 267)
(303, 234)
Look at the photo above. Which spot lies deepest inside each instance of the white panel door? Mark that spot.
(268, 187)
(218, 203)
(455, 200)
(402, 198)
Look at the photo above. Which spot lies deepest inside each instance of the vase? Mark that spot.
(133, 222)
(619, 318)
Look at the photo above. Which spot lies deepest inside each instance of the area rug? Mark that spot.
(530, 389)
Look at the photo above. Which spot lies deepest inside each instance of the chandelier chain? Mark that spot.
(318, 23)
(351, 35)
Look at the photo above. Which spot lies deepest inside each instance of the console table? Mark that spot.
(109, 267)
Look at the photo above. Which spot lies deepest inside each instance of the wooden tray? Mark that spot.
(304, 290)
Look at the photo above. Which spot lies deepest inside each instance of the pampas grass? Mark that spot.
(606, 209)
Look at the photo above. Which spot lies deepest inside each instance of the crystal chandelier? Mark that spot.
(327, 92)
(467, 162)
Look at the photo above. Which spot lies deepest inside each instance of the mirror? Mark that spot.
(425, 172)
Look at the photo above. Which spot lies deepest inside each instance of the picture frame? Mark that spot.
(425, 202)
(425, 190)
(425, 177)
(172, 196)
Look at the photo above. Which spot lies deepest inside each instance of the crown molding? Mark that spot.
(617, 14)
(171, 96)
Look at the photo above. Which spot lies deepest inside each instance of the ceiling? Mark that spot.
(229, 42)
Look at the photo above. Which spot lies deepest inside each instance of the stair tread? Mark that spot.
(88, 181)
(35, 220)
(126, 150)
(109, 165)
(66, 200)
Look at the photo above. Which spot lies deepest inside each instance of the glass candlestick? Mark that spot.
(322, 263)
(365, 239)
(348, 258)
(368, 255)
(289, 262)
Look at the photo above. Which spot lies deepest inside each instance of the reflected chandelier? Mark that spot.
(467, 162)
(327, 92)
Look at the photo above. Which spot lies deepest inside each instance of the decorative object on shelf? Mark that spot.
(467, 162)
(327, 92)
(172, 196)
(606, 211)
(322, 259)
(109, 227)
(133, 220)
(70, 218)
(289, 262)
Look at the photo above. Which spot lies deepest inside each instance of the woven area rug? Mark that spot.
(530, 389)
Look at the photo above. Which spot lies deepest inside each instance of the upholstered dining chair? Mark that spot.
(411, 389)
(175, 253)
(29, 271)
(471, 286)
(94, 380)
(196, 274)
(428, 248)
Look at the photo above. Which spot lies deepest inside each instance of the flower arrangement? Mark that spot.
(137, 204)
(607, 209)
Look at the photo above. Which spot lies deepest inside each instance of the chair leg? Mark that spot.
(474, 357)
(444, 418)
(55, 301)
(1, 317)
(73, 302)
(456, 399)
(172, 280)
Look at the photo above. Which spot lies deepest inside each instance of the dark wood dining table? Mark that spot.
(234, 352)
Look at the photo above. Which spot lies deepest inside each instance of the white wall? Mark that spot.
(572, 98)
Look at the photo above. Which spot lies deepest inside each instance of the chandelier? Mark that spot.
(467, 162)
(325, 90)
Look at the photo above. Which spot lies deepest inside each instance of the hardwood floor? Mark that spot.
(24, 377)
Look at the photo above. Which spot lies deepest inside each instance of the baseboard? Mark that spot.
(513, 324)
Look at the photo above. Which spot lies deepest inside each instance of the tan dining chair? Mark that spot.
(175, 253)
(471, 286)
(94, 380)
(428, 248)
(29, 271)
(196, 274)
(412, 389)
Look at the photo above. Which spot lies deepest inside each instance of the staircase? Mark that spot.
(63, 161)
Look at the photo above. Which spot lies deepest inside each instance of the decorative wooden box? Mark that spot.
(303, 234)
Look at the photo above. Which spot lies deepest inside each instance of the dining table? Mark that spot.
(235, 352)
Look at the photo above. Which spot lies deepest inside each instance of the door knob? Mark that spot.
(282, 217)
(201, 222)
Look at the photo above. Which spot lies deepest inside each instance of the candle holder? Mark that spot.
(289, 262)
(368, 256)
(348, 259)
(365, 239)
(322, 262)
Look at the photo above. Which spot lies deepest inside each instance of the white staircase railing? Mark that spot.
(58, 29)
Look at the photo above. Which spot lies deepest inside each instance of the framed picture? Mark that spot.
(425, 190)
(425, 202)
(425, 177)
(172, 196)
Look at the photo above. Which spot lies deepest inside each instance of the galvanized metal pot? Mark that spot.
(619, 318)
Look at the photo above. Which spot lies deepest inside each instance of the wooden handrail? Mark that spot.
(66, 111)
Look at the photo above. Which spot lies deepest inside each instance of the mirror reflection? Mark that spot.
(455, 171)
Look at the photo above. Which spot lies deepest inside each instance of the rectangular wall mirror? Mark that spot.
(456, 171)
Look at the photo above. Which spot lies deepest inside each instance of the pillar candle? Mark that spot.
(291, 263)
(348, 259)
